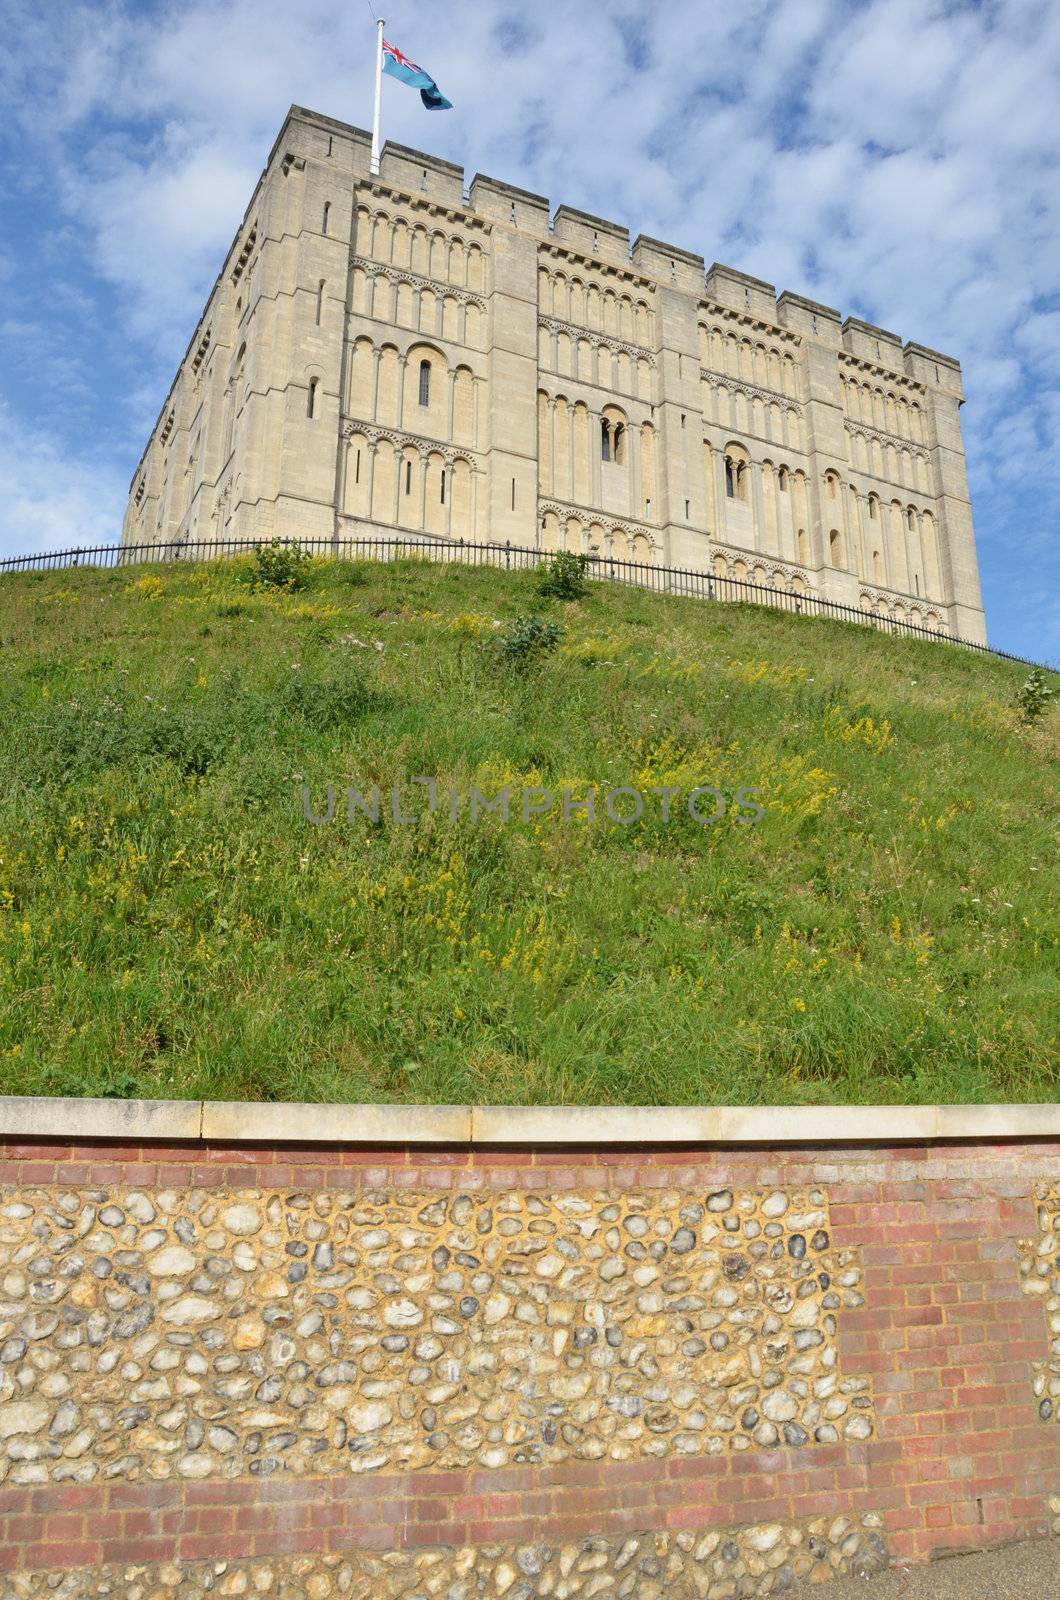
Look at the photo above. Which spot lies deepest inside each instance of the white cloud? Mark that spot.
(53, 497)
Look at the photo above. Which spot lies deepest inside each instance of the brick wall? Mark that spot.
(955, 1271)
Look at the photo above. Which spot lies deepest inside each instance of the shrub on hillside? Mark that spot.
(525, 641)
(563, 578)
(280, 566)
(1033, 696)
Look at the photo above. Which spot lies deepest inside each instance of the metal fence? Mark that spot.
(661, 580)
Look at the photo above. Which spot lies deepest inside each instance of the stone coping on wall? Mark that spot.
(248, 1122)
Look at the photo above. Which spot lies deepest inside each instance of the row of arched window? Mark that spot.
(431, 252)
(587, 537)
(416, 390)
(765, 507)
(410, 305)
(904, 465)
(886, 542)
(404, 486)
(595, 458)
(882, 408)
(594, 362)
(733, 355)
(748, 414)
(592, 305)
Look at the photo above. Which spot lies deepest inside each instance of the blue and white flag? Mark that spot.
(399, 66)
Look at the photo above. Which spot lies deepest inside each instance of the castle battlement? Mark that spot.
(412, 351)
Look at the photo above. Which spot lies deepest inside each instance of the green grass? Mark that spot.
(171, 925)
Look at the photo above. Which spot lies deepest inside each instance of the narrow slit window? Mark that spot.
(730, 481)
(320, 301)
(327, 214)
(408, 477)
(441, 495)
(357, 469)
(311, 403)
(513, 494)
(605, 440)
(425, 383)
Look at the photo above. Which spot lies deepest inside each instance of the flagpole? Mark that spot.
(374, 165)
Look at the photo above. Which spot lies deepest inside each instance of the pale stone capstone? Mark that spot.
(382, 355)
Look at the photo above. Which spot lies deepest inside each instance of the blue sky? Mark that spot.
(898, 159)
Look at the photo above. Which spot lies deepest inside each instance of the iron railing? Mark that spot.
(662, 580)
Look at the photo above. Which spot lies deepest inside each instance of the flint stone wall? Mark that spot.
(382, 1371)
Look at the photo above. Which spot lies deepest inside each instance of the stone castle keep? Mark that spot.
(396, 354)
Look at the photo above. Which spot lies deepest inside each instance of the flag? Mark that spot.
(399, 66)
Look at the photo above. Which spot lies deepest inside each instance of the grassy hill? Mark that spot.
(172, 925)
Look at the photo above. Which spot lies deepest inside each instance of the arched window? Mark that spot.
(311, 403)
(327, 214)
(425, 383)
(737, 473)
(783, 480)
(873, 505)
(619, 441)
(830, 484)
(835, 548)
(605, 439)
(911, 520)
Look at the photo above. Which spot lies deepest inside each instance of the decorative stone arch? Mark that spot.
(737, 471)
(420, 254)
(381, 297)
(400, 252)
(381, 230)
(425, 406)
(439, 256)
(614, 435)
(361, 398)
(643, 322)
(560, 296)
(464, 429)
(357, 476)
(435, 493)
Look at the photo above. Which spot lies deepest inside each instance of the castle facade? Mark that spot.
(399, 353)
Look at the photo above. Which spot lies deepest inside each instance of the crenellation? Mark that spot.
(669, 263)
(810, 318)
(503, 202)
(934, 369)
(591, 236)
(394, 353)
(741, 292)
(421, 173)
(872, 344)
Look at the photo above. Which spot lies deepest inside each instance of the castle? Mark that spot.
(398, 353)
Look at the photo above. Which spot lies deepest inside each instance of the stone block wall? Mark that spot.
(682, 1370)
